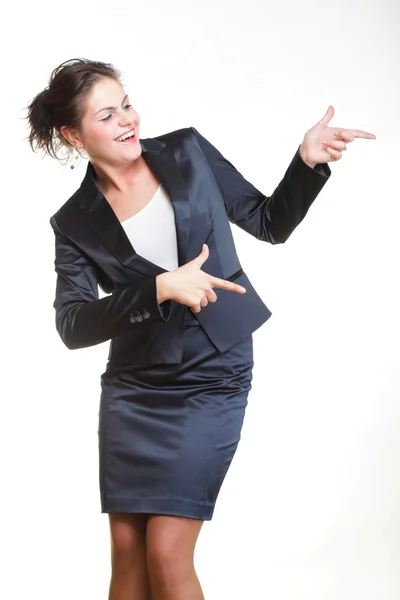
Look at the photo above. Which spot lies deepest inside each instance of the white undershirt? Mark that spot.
(152, 231)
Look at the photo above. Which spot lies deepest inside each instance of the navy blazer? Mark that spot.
(207, 193)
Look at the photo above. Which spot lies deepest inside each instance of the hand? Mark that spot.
(323, 144)
(189, 285)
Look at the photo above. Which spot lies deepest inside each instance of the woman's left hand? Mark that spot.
(323, 144)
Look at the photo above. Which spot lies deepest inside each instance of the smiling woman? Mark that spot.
(179, 369)
(106, 128)
(49, 111)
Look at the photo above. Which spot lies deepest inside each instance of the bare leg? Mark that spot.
(170, 552)
(129, 579)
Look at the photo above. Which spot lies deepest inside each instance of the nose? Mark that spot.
(124, 118)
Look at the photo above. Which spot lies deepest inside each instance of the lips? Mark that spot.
(126, 136)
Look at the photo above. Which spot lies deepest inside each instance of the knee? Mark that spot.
(170, 548)
(167, 563)
(127, 553)
(125, 544)
(128, 544)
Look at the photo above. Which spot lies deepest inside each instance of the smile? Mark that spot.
(125, 136)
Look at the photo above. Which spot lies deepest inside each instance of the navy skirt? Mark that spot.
(168, 433)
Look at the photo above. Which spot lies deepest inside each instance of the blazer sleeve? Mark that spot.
(268, 218)
(82, 319)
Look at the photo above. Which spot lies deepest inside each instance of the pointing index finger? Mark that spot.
(358, 133)
(227, 285)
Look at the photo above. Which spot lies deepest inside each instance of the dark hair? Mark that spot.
(62, 103)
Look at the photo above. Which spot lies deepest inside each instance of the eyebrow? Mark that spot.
(111, 107)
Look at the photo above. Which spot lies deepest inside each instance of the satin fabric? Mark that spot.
(175, 388)
(168, 434)
(207, 194)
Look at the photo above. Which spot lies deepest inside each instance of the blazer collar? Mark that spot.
(102, 219)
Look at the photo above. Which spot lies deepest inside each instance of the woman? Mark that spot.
(147, 217)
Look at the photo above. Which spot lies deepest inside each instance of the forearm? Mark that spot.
(291, 200)
(83, 324)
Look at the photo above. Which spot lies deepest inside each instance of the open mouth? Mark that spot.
(127, 138)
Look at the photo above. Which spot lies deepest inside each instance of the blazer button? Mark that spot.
(139, 318)
(132, 319)
(146, 315)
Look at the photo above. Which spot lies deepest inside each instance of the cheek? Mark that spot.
(136, 117)
(103, 134)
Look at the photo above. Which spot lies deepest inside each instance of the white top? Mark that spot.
(152, 231)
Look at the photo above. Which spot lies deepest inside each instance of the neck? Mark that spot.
(119, 178)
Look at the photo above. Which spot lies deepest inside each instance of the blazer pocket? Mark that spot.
(233, 316)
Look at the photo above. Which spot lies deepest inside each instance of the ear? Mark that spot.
(72, 136)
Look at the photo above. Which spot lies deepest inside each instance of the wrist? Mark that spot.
(162, 294)
(304, 157)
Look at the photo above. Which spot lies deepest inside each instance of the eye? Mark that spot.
(106, 118)
(128, 106)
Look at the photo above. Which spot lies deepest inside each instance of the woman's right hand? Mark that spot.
(189, 285)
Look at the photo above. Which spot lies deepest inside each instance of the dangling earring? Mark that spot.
(76, 160)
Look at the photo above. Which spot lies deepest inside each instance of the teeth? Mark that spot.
(126, 136)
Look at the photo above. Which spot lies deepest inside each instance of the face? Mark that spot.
(108, 118)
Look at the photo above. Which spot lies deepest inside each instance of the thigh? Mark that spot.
(171, 539)
(127, 532)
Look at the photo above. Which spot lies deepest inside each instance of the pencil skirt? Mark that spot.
(168, 433)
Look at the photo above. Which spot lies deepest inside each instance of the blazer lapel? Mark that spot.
(164, 165)
(109, 230)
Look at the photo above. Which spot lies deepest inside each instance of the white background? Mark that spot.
(310, 507)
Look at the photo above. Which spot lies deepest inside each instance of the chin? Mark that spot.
(127, 153)
(135, 152)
